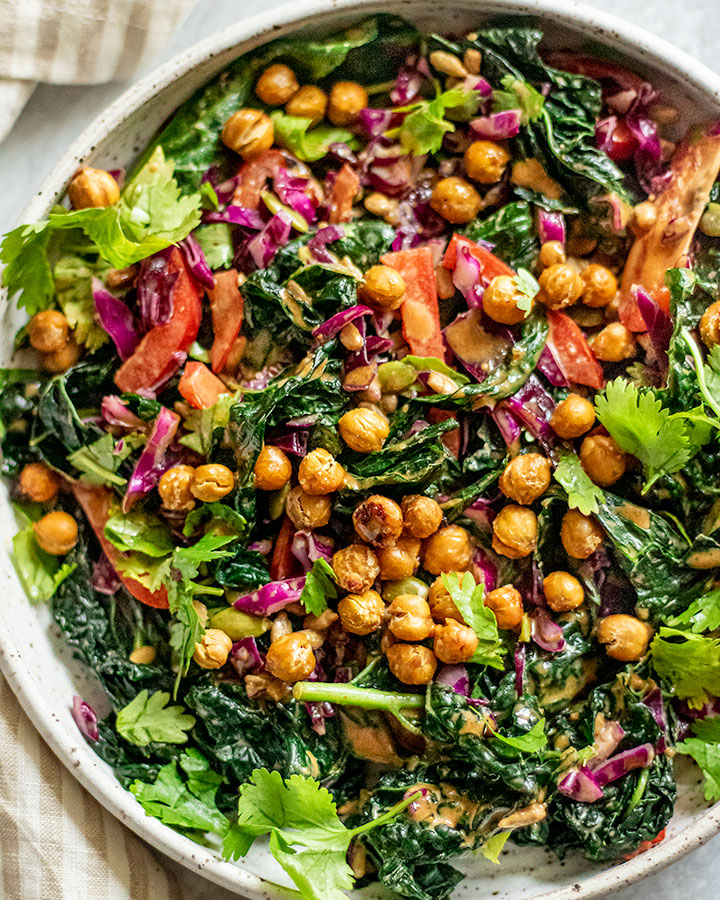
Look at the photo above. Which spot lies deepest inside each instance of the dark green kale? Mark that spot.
(18, 395)
(511, 231)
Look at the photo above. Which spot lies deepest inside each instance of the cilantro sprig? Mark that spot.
(148, 718)
(319, 588)
(704, 748)
(469, 599)
(425, 123)
(703, 614)
(527, 289)
(517, 94)
(582, 493)
(689, 662)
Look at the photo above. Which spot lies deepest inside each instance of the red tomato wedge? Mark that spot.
(491, 265)
(693, 170)
(283, 563)
(199, 386)
(96, 502)
(253, 175)
(342, 195)
(643, 846)
(226, 305)
(576, 360)
(419, 311)
(155, 353)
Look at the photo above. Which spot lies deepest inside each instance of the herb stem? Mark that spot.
(364, 698)
(638, 792)
(700, 372)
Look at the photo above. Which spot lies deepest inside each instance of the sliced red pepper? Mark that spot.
(283, 563)
(96, 502)
(491, 265)
(226, 305)
(419, 311)
(574, 356)
(253, 176)
(342, 195)
(646, 845)
(451, 439)
(155, 353)
(199, 386)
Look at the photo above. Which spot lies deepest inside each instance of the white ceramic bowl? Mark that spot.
(35, 660)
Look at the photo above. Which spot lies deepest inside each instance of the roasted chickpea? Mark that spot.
(401, 560)
(248, 132)
(272, 469)
(346, 100)
(361, 613)
(442, 605)
(378, 521)
(560, 286)
(454, 643)
(39, 483)
(213, 649)
(364, 430)
(56, 532)
(456, 200)
(604, 462)
(625, 637)
(212, 482)
(307, 510)
(382, 286)
(410, 618)
(143, 655)
(515, 527)
(309, 102)
(175, 488)
(276, 85)
(506, 603)
(412, 663)
(525, 478)
(93, 188)
(563, 591)
(572, 417)
(580, 535)
(320, 472)
(422, 515)
(449, 549)
(485, 161)
(552, 253)
(291, 658)
(63, 359)
(502, 299)
(614, 343)
(356, 567)
(600, 285)
(48, 331)
(710, 325)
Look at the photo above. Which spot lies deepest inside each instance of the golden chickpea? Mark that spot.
(39, 483)
(309, 102)
(485, 161)
(412, 663)
(143, 655)
(456, 200)
(276, 85)
(625, 637)
(248, 132)
(563, 591)
(572, 417)
(56, 532)
(356, 567)
(382, 286)
(454, 643)
(525, 478)
(212, 482)
(320, 472)
(401, 560)
(307, 510)
(48, 331)
(614, 343)
(580, 535)
(449, 549)
(361, 613)
(410, 618)
(442, 605)
(272, 469)
(63, 359)
(516, 527)
(600, 286)
(346, 100)
(604, 462)
(175, 488)
(213, 649)
(364, 430)
(378, 521)
(501, 301)
(506, 603)
(93, 188)
(552, 253)
(290, 658)
(560, 286)
(710, 325)
(423, 515)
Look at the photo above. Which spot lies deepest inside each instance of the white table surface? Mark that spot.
(56, 115)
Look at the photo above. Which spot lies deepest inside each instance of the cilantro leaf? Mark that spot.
(704, 748)
(527, 287)
(148, 718)
(703, 614)
(40, 573)
(690, 662)
(517, 94)
(468, 597)
(531, 742)
(425, 125)
(319, 588)
(72, 278)
(100, 460)
(309, 144)
(582, 493)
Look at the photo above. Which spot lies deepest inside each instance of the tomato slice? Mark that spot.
(491, 265)
(96, 502)
(419, 311)
(156, 352)
(283, 563)
(199, 386)
(342, 195)
(226, 305)
(643, 846)
(576, 360)
(253, 175)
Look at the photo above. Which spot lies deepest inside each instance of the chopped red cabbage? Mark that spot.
(607, 736)
(407, 85)
(654, 703)
(455, 677)
(116, 318)
(155, 286)
(658, 323)
(153, 461)
(335, 324)
(295, 442)
(271, 597)
(508, 426)
(546, 633)
(85, 718)
(519, 669)
(580, 784)
(225, 190)
(115, 412)
(105, 579)
(327, 235)
(533, 406)
(375, 122)
(195, 259)
(484, 570)
(245, 657)
(550, 226)
(468, 278)
(308, 547)
(548, 365)
(498, 126)
(264, 245)
(294, 192)
(236, 215)
(622, 763)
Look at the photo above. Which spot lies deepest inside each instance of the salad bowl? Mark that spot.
(40, 667)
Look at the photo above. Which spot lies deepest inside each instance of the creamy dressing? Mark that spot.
(635, 514)
(373, 742)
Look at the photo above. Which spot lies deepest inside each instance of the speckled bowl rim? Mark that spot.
(18, 669)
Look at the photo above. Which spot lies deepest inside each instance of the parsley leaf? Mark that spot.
(534, 740)
(148, 718)
(425, 125)
(468, 597)
(703, 614)
(704, 748)
(72, 276)
(309, 144)
(527, 287)
(520, 95)
(582, 493)
(690, 662)
(100, 460)
(319, 588)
